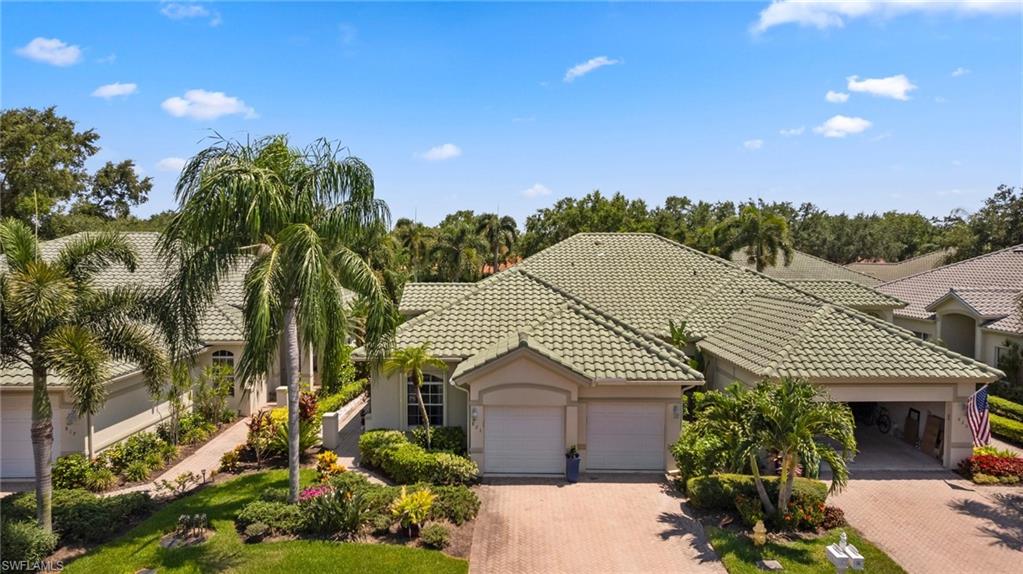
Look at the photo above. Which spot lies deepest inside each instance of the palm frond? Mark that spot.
(88, 254)
(133, 343)
(81, 360)
(18, 244)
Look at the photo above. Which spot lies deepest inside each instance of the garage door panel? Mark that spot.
(524, 440)
(625, 436)
(16, 460)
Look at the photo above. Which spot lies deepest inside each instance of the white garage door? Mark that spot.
(524, 440)
(16, 438)
(625, 436)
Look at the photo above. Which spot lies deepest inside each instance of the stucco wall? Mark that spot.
(959, 333)
(990, 341)
(919, 325)
(389, 402)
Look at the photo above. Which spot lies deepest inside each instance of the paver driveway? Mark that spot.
(603, 524)
(938, 522)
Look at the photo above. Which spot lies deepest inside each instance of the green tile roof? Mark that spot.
(593, 345)
(222, 322)
(849, 294)
(806, 266)
(422, 297)
(774, 337)
(899, 269)
(642, 281)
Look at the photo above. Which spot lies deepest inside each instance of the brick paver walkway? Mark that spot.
(617, 523)
(938, 522)
(207, 457)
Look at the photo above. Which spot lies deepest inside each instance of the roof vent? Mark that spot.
(1018, 249)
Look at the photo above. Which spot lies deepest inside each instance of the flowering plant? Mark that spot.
(992, 465)
(313, 492)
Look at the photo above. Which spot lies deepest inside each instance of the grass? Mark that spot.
(225, 551)
(740, 556)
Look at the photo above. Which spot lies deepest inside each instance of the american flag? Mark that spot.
(976, 412)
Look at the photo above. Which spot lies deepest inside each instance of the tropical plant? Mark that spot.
(286, 217)
(498, 233)
(456, 253)
(411, 361)
(761, 233)
(413, 508)
(414, 238)
(55, 321)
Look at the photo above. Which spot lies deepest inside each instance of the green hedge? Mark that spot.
(280, 517)
(407, 463)
(333, 402)
(1005, 408)
(23, 541)
(442, 439)
(1007, 429)
(80, 516)
(718, 491)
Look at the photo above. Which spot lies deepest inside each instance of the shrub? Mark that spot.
(71, 471)
(834, 517)
(327, 465)
(381, 522)
(1008, 429)
(333, 402)
(336, 513)
(412, 508)
(279, 517)
(996, 466)
(25, 541)
(81, 516)
(261, 434)
(1005, 408)
(803, 514)
(696, 454)
(436, 536)
(349, 481)
(308, 434)
(210, 392)
(407, 463)
(100, 478)
(231, 460)
(307, 406)
(274, 495)
(442, 439)
(994, 451)
(457, 504)
(136, 471)
(750, 509)
(719, 491)
(256, 532)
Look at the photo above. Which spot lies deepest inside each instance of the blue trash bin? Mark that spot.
(572, 467)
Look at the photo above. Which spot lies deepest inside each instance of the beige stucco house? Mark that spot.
(568, 348)
(972, 306)
(129, 407)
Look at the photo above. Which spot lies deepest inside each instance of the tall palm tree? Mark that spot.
(414, 238)
(457, 252)
(498, 232)
(287, 217)
(761, 233)
(55, 321)
(411, 361)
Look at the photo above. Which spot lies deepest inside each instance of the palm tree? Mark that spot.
(411, 361)
(800, 422)
(414, 238)
(288, 217)
(55, 321)
(761, 233)
(497, 232)
(457, 252)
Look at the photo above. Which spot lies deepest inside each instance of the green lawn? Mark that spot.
(140, 547)
(740, 555)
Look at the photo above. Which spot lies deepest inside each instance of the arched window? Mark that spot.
(433, 398)
(226, 359)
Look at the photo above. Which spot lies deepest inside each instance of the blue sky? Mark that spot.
(477, 106)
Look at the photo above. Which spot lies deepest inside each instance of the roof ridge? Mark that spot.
(855, 284)
(986, 289)
(811, 255)
(786, 350)
(954, 264)
(906, 260)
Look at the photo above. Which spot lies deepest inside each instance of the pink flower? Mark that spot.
(313, 492)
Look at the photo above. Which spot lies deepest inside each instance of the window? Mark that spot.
(433, 399)
(226, 359)
(921, 336)
(1002, 353)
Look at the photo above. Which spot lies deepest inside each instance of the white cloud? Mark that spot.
(896, 87)
(822, 14)
(836, 97)
(174, 164)
(536, 190)
(113, 90)
(753, 144)
(51, 51)
(840, 126)
(442, 152)
(204, 105)
(187, 10)
(580, 70)
(960, 71)
(789, 132)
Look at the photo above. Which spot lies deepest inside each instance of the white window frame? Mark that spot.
(225, 357)
(410, 398)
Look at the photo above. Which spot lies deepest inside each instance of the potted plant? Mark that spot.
(572, 464)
